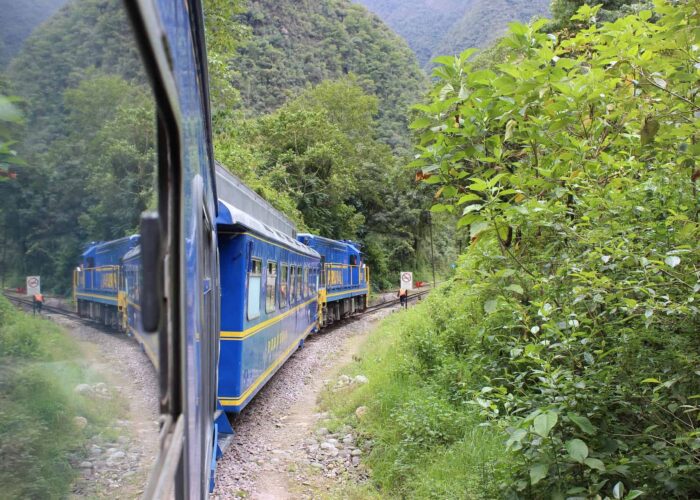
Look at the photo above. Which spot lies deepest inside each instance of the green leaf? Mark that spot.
(469, 197)
(491, 306)
(538, 472)
(594, 463)
(577, 450)
(515, 288)
(478, 228)
(545, 422)
(649, 130)
(583, 423)
(634, 494)
(422, 122)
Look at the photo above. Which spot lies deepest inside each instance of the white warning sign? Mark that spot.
(406, 280)
(33, 285)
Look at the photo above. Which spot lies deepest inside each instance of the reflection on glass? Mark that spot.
(78, 393)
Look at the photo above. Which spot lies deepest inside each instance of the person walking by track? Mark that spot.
(403, 298)
(38, 303)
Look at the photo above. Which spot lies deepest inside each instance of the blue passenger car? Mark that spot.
(344, 281)
(269, 288)
(133, 284)
(98, 282)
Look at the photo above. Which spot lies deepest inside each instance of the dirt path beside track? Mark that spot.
(118, 458)
(277, 453)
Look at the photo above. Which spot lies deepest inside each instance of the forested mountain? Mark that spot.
(88, 130)
(439, 27)
(295, 44)
(18, 19)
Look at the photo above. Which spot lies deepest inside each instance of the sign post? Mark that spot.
(33, 285)
(406, 280)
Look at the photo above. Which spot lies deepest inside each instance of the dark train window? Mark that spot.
(254, 288)
(271, 287)
(284, 285)
(353, 260)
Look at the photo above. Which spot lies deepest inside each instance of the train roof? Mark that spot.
(231, 218)
(99, 247)
(312, 239)
(233, 191)
(133, 253)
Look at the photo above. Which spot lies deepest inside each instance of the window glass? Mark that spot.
(292, 284)
(78, 150)
(254, 288)
(271, 287)
(298, 283)
(306, 281)
(284, 287)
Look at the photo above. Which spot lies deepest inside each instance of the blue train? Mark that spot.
(276, 288)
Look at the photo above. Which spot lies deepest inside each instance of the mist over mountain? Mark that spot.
(439, 27)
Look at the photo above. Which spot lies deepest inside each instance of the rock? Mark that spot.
(361, 379)
(332, 441)
(322, 431)
(327, 446)
(122, 439)
(356, 452)
(85, 465)
(117, 455)
(355, 460)
(80, 422)
(83, 390)
(360, 412)
(95, 450)
(316, 465)
(275, 461)
(343, 380)
(313, 448)
(348, 439)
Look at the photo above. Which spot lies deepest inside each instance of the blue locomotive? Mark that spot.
(344, 279)
(98, 282)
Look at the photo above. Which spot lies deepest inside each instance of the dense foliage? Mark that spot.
(571, 326)
(19, 21)
(87, 142)
(323, 156)
(433, 28)
(318, 159)
(295, 44)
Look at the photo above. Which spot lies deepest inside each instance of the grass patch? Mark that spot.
(426, 442)
(40, 366)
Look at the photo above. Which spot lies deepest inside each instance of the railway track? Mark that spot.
(390, 303)
(49, 309)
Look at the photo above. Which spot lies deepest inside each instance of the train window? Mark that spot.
(353, 260)
(78, 167)
(306, 281)
(284, 285)
(298, 284)
(292, 284)
(271, 287)
(254, 288)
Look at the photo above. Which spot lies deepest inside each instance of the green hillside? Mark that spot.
(438, 27)
(19, 21)
(295, 44)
